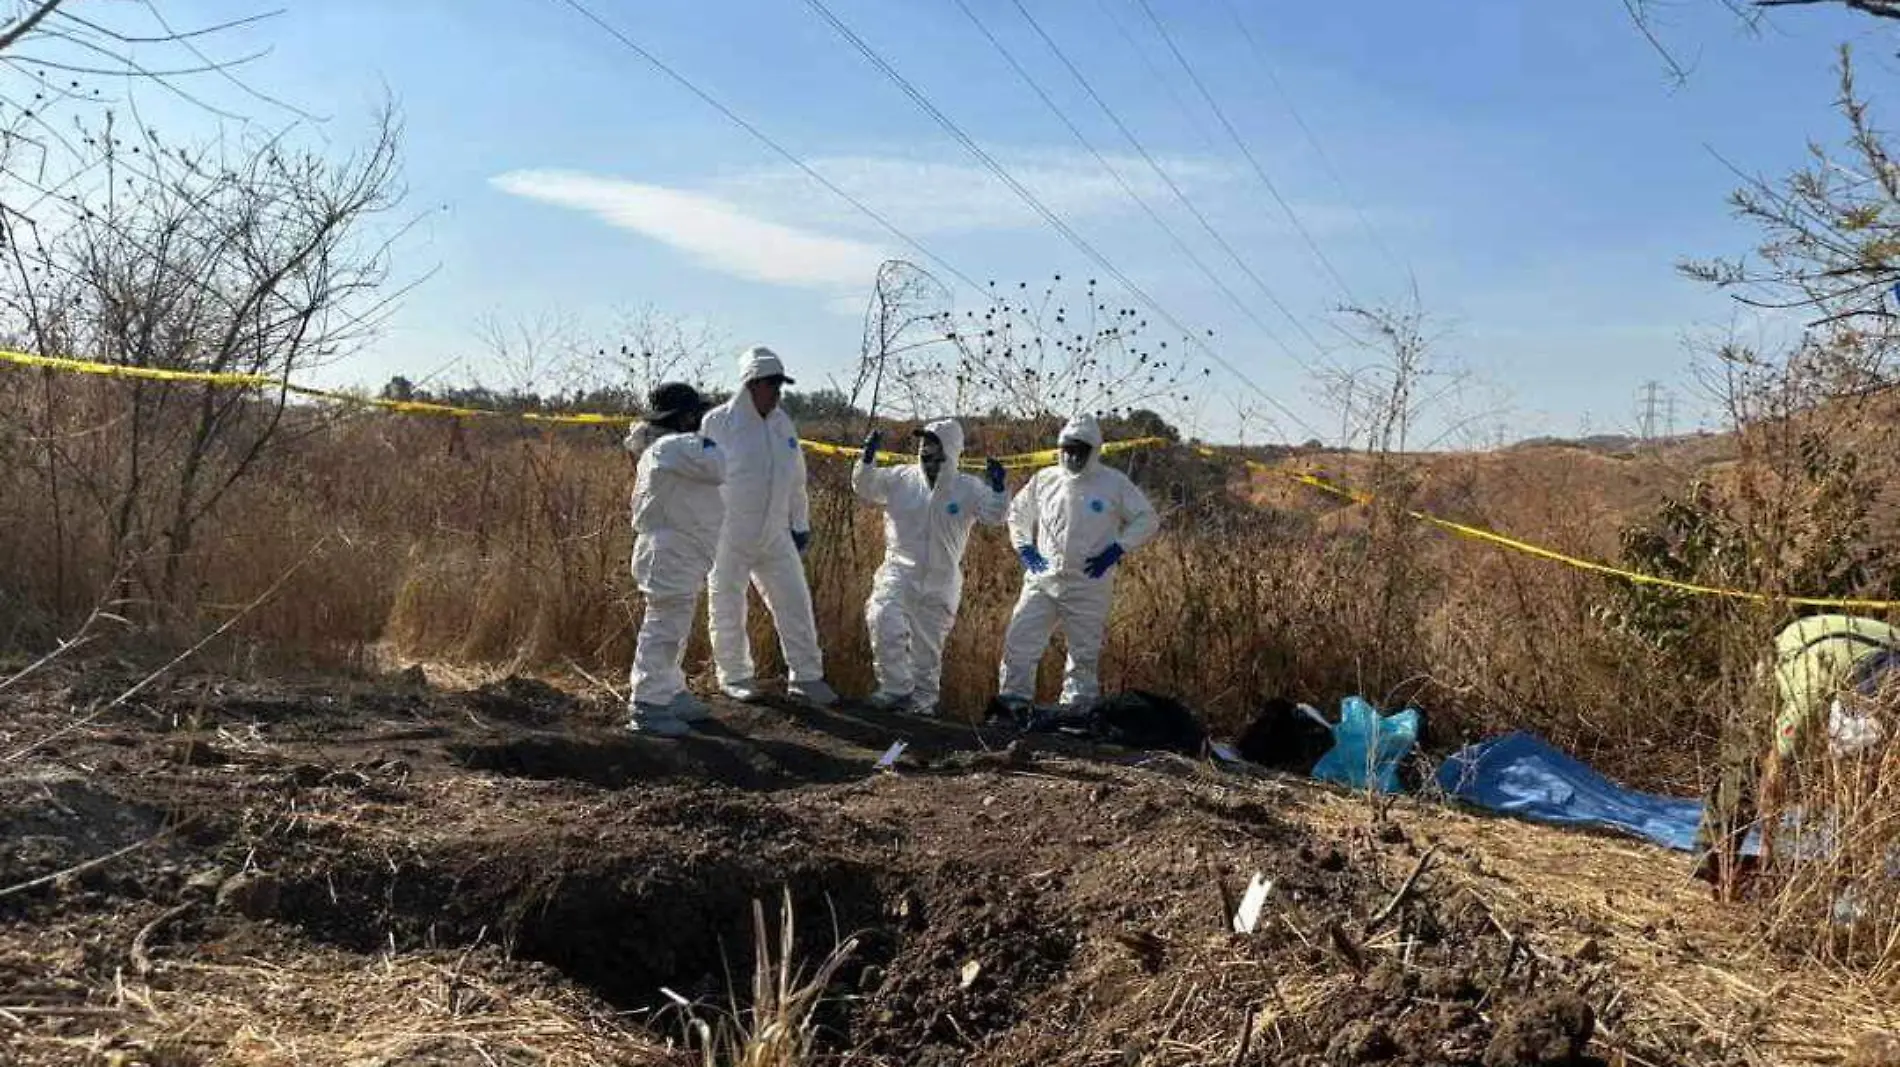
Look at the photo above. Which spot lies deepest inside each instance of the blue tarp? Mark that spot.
(1523, 775)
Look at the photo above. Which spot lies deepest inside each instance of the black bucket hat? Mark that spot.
(673, 399)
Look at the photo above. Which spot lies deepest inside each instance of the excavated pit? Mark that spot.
(619, 916)
(1010, 907)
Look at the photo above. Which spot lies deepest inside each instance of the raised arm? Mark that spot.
(871, 482)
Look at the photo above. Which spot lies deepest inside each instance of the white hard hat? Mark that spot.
(760, 362)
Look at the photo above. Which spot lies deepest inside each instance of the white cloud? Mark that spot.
(926, 196)
(776, 225)
(718, 234)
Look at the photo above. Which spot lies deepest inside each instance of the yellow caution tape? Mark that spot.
(157, 374)
(1049, 456)
(427, 407)
(1491, 537)
(264, 381)
(1022, 461)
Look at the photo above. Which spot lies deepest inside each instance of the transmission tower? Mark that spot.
(1649, 404)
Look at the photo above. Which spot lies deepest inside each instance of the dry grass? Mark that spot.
(492, 544)
(1833, 890)
(295, 1003)
(1699, 976)
(497, 547)
(320, 1006)
(394, 1009)
(507, 547)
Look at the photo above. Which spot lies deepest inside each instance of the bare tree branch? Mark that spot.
(170, 35)
(1639, 14)
(25, 26)
(1885, 9)
(207, 67)
(1830, 244)
(188, 40)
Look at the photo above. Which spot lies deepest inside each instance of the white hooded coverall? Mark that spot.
(1070, 518)
(677, 512)
(766, 500)
(914, 596)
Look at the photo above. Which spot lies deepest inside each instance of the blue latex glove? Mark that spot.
(871, 444)
(993, 470)
(801, 539)
(1032, 559)
(1098, 565)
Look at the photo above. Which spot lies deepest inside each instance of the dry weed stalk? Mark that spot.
(776, 1029)
(1836, 892)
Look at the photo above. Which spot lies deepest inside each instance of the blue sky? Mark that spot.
(1529, 164)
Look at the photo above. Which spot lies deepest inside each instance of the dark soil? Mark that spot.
(1004, 906)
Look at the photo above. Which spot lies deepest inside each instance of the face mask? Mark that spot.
(930, 457)
(1076, 459)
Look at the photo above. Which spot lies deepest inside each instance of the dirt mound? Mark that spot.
(534, 862)
(54, 819)
(1000, 917)
(523, 701)
(626, 761)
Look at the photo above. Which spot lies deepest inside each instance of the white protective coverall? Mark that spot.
(766, 500)
(915, 593)
(677, 513)
(1069, 518)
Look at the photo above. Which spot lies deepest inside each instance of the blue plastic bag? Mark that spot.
(1368, 746)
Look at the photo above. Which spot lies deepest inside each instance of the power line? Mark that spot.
(1054, 220)
(1116, 174)
(1240, 142)
(1089, 88)
(1107, 8)
(766, 139)
(949, 125)
(1273, 79)
(738, 120)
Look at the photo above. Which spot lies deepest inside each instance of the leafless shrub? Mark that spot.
(251, 258)
(1041, 356)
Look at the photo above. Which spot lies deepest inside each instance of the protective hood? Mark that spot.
(760, 362)
(950, 433)
(765, 486)
(1083, 428)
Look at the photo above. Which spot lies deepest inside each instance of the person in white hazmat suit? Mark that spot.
(677, 512)
(1071, 524)
(929, 508)
(765, 535)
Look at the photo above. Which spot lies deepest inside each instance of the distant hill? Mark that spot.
(1573, 494)
(1611, 442)
(1603, 442)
